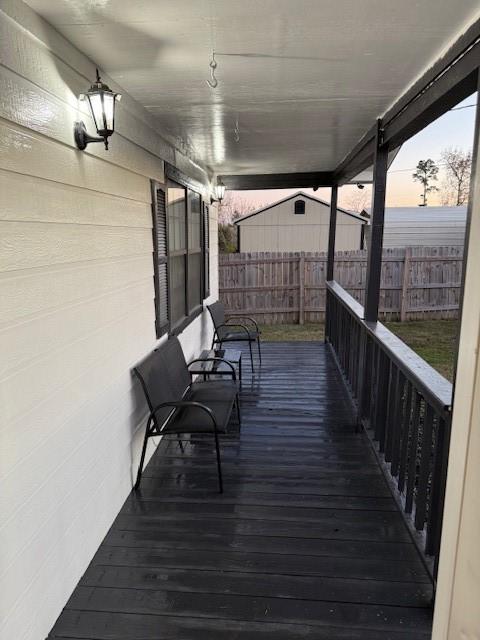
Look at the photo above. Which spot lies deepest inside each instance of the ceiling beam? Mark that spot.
(360, 158)
(448, 81)
(312, 179)
(450, 89)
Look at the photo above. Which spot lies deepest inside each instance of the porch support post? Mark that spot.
(374, 264)
(330, 255)
(458, 591)
(331, 232)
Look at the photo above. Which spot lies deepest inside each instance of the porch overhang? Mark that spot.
(449, 81)
(290, 108)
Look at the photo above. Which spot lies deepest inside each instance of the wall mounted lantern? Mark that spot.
(218, 192)
(101, 100)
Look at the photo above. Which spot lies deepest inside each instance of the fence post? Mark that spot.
(301, 289)
(405, 283)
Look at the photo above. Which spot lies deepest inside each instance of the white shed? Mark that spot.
(424, 226)
(298, 223)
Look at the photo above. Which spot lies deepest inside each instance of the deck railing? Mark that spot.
(405, 407)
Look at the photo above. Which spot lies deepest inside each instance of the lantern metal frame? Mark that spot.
(219, 192)
(82, 137)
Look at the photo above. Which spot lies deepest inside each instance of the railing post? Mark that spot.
(331, 232)
(374, 263)
(331, 254)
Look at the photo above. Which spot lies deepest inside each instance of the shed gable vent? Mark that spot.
(299, 207)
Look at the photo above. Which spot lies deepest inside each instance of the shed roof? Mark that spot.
(299, 194)
(409, 216)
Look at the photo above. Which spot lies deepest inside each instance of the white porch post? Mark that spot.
(457, 610)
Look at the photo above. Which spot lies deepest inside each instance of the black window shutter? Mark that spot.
(206, 251)
(160, 257)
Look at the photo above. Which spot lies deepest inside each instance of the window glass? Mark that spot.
(177, 292)
(299, 206)
(194, 280)
(176, 217)
(194, 236)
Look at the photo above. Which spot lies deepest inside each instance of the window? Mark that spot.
(181, 252)
(299, 207)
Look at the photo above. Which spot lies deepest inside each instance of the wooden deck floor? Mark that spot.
(306, 541)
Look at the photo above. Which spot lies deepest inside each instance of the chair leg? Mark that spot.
(259, 350)
(180, 443)
(251, 354)
(237, 402)
(219, 464)
(142, 457)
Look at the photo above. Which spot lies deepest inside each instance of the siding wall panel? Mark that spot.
(77, 313)
(26, 152)
(28, 292)
(29, 199)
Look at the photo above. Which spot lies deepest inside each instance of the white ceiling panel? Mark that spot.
(304, 79)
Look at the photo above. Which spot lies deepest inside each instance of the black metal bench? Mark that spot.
(178, 405)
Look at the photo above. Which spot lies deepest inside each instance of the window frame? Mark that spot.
(192, 309)
(303, 207)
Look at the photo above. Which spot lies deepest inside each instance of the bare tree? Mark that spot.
(458, 167)
(359, 200)
(425, 173)
(234, 206)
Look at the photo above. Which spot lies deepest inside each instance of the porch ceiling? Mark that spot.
(304, 78)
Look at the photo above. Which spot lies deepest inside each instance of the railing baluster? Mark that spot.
(412, 455)
(391, 417)
(405, 438)
(425, 464)
(397, 424)
(381, 392)
(439, 480)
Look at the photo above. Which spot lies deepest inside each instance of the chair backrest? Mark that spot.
(174, 360)
(217, 311)
(164, 377)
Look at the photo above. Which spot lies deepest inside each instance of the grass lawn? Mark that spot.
(433, 340)
(290, 332)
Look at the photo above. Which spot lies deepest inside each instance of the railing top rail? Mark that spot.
(436, 389)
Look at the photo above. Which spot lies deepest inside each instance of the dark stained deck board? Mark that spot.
(306, 541)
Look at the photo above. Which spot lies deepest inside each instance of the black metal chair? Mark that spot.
(230, 330)
(178, 405)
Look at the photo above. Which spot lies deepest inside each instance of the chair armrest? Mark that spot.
(243, 318)
(229, 326)
(186, 403)
(215, 360)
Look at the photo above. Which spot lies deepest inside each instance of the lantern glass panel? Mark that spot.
(96, 107)
(109, 105)
(220, 191)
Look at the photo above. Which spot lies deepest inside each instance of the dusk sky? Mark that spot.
(454, 129)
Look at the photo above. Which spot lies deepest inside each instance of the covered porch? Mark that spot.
(351, 492)
(306, 541)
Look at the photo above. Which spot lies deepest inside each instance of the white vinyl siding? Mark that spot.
(77, 312)
(424, 226)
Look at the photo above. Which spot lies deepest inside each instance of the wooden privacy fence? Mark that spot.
(280, 288)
